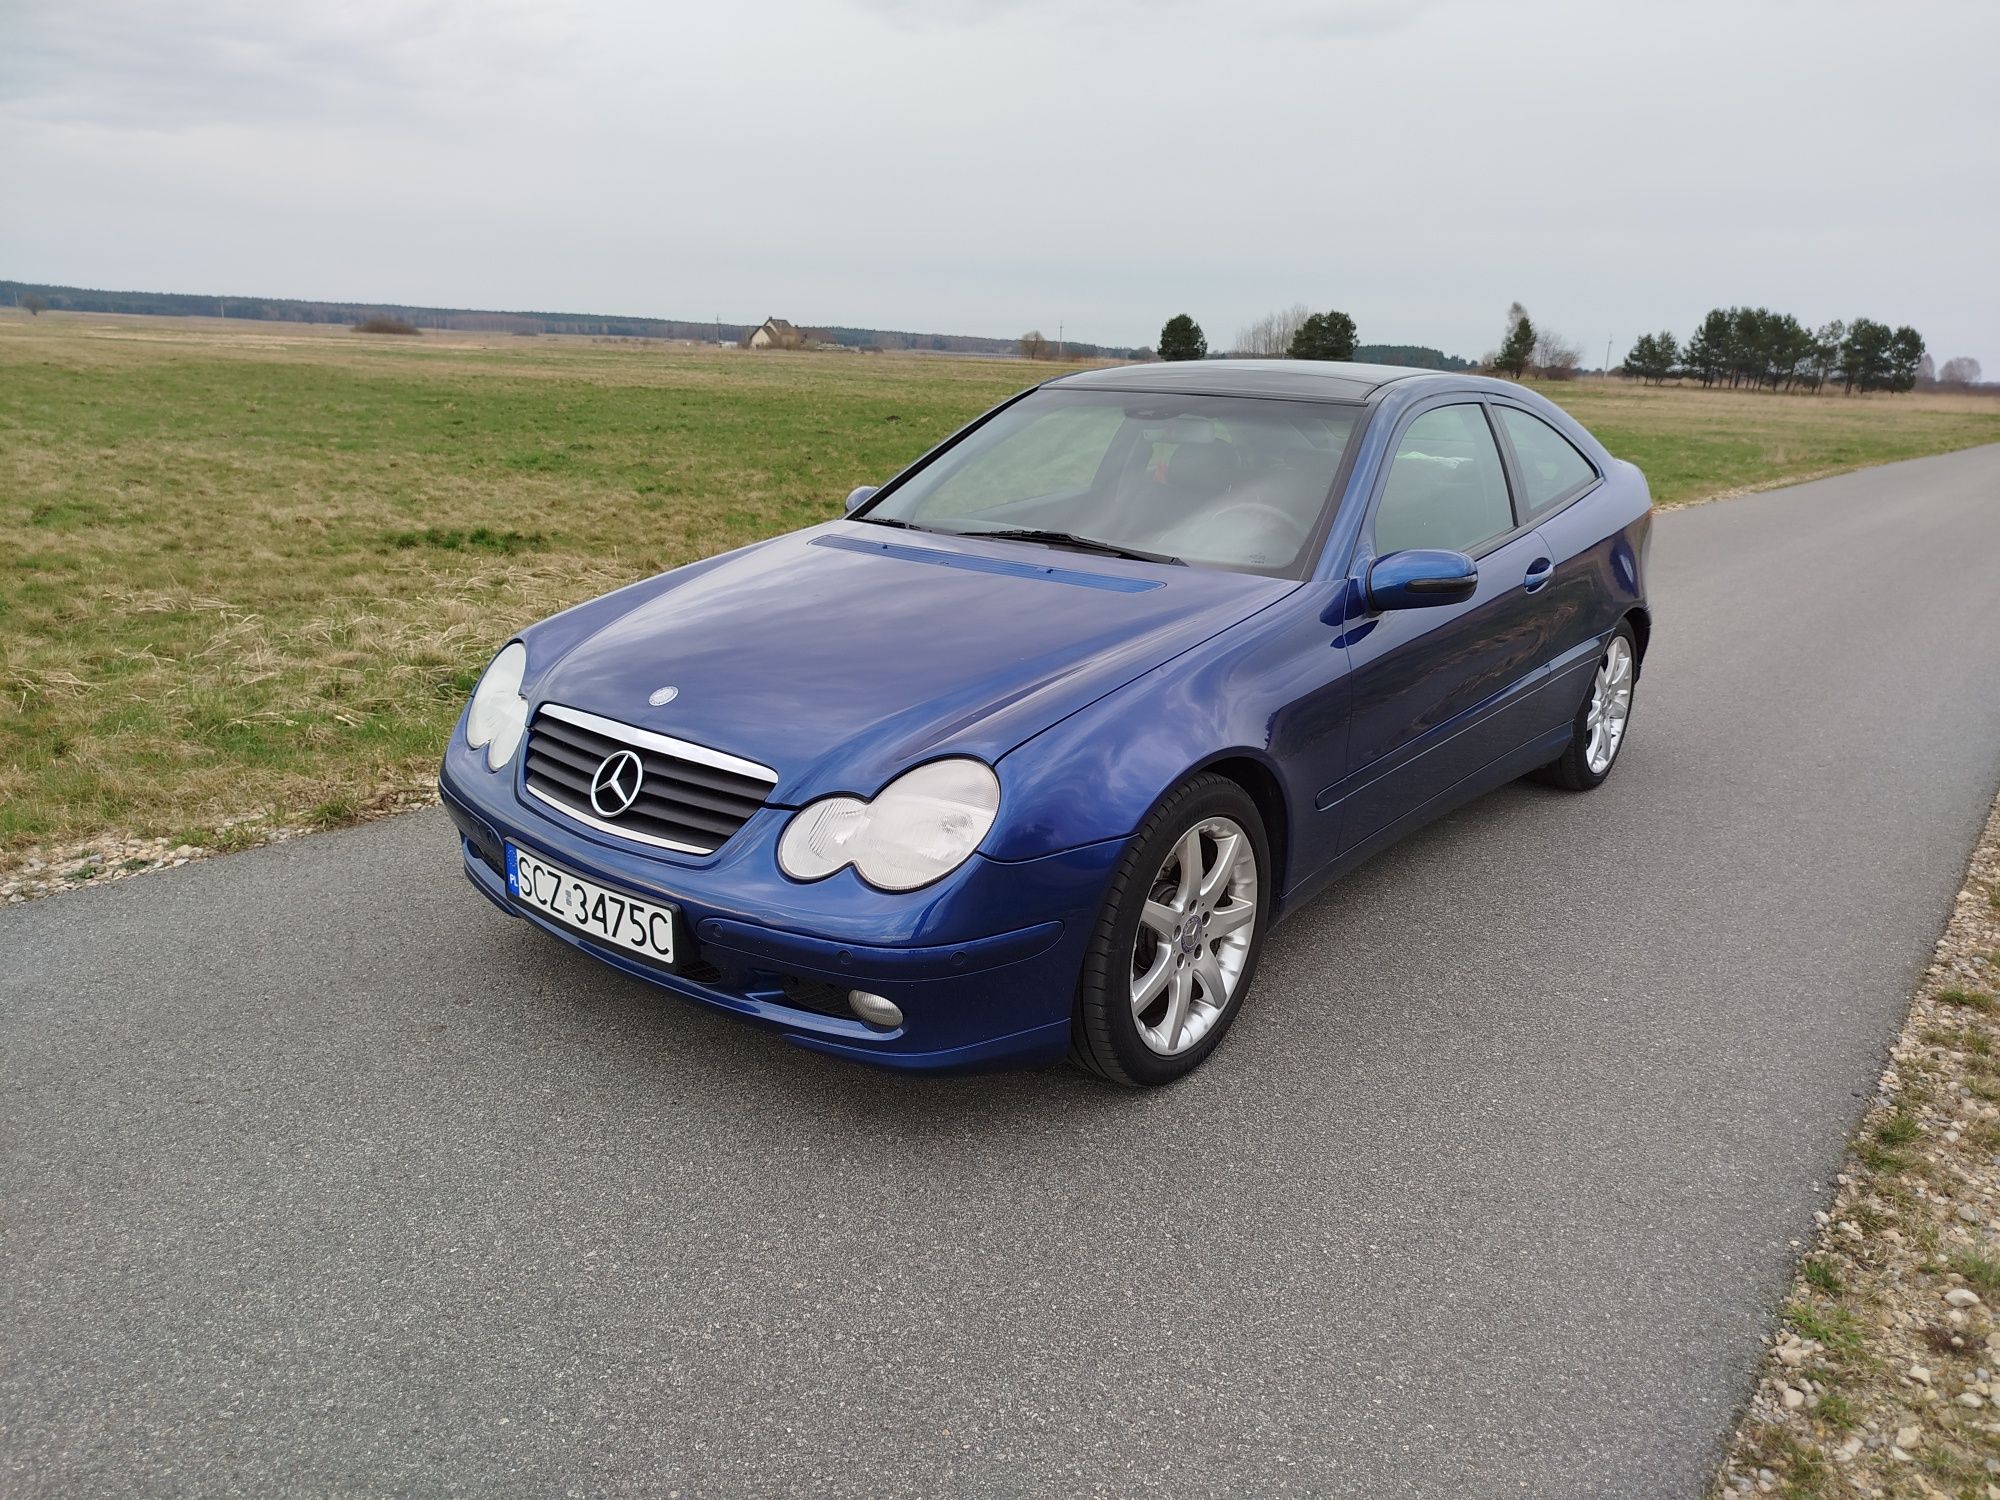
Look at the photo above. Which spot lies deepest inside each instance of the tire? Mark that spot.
(1159, 936)
(1583, 766)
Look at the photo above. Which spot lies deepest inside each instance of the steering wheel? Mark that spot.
(1257, 507)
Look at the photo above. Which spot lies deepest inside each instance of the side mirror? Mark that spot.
(1421, 577)
(859, 494)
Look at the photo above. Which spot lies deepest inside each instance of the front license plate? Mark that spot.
(642, 927)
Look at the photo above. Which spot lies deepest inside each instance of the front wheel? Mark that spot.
(1176, 943)
(1601, 721)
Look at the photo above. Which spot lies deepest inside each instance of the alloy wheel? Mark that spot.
(1194, 935)
(1610, 706)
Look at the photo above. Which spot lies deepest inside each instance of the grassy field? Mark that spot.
(1701, 445)
(252, 570)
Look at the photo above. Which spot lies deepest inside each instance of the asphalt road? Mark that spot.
(318, 1176)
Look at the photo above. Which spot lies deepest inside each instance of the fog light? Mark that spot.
(874, 1009)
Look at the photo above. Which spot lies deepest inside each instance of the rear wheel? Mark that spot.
(1601, 721)
(1176, 943)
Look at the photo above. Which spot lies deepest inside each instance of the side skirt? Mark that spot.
(1490, 777)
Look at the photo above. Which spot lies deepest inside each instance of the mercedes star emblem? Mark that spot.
(615, 787)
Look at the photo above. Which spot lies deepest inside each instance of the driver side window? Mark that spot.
(1446, 486)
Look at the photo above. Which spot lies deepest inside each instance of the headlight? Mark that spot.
(499, 713)
(919, 828)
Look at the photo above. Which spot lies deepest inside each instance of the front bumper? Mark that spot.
(983, 964)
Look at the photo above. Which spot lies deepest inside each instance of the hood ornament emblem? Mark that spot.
(616, 785)
(661, 697)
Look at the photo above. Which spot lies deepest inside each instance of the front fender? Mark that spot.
(1271, 691)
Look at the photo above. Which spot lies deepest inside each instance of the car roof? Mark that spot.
(1301, 379)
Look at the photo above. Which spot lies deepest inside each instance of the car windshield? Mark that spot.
(1230, 482)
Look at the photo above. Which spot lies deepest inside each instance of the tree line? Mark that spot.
(1756, 348)
(1531, 350)
(1035, 345)
(1297, 332)
(36, 297)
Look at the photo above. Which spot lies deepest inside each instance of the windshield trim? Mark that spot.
(1301, 568)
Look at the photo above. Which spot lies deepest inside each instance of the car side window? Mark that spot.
(1446, 486)
(1551, 468)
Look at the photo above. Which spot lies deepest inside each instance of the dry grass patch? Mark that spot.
(1700, 445)
(250, 571)
(252, 575)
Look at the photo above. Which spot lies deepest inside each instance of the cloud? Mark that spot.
(130, 64)
(1356, 18)
(993, 165)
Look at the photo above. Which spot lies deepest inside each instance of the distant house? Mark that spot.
(774, 333)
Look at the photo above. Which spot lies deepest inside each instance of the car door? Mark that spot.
(1551, 478)
(1440, 692)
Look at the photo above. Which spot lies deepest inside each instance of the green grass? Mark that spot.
(1976, 1000)
(1898, 1130)
(1884, 1152)
(1837, 1411)
(1835, 1327)
(1880, 1158)
(253, 570)
(258, 573)
(1981, 1272)
(1969, 1041)
(1807, 1476)
(1819, 1273)
(1696, 444)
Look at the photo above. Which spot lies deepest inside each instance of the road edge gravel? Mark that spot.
(1883, 1378)
(50, 869)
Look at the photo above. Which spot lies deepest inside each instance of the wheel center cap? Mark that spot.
(1190, 938)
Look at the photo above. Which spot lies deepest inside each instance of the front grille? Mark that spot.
(690, 798)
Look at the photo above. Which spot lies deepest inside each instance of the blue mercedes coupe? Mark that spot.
(1022, 758)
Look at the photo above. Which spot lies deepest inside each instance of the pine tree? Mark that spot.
(1865, 355)
(1707, 354)
(1906, 356)
(1669, 349)
(1519, 345)
(1642, 356)
(1826, 352)
(1327, 335)
(1182, 338)
(1653, 357)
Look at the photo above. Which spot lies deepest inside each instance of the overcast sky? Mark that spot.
(967, 167)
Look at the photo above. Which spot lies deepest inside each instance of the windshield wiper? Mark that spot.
(890, 521)
(1081, 543)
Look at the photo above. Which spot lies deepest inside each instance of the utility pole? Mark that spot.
(1607, 351)
(1059, 331)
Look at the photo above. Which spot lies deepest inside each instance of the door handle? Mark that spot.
(1540, 571)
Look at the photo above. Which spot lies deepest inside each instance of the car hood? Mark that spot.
(842, 654)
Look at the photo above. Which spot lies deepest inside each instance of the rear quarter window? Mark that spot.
(1551, 468)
